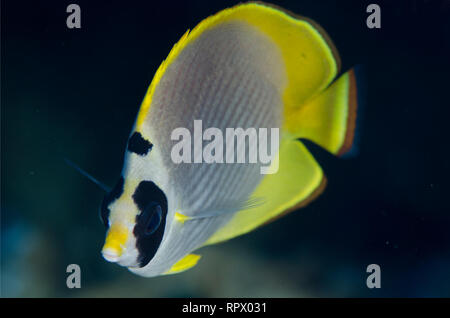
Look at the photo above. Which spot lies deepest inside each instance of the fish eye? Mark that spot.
(151, 218)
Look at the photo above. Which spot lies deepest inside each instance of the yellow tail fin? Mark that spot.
(329, 118)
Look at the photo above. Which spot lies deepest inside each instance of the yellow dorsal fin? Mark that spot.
(299, 180)
(309, 55)
(183, 264)
(310, 58)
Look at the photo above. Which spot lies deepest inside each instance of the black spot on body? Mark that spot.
(146, 193)
(115, 193)
(139, 145)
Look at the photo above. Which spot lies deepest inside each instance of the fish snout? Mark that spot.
(115, 243)
(110, 255)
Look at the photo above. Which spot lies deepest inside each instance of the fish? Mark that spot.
(253, 65)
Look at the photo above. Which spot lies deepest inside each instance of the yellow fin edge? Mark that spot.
(145, 106)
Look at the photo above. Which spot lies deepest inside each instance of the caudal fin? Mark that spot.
(329, 119)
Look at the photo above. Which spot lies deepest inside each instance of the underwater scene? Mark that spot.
(171, 149)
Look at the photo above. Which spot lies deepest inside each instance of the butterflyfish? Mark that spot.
(251, 66)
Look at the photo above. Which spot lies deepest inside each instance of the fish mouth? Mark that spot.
(114, 248)
(110, 255)
(125, 259)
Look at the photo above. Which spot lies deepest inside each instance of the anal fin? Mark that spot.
(184, 264)
(298, 180)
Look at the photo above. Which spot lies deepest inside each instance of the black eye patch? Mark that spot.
(139, 145)
(115, 193)
(150, 222)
